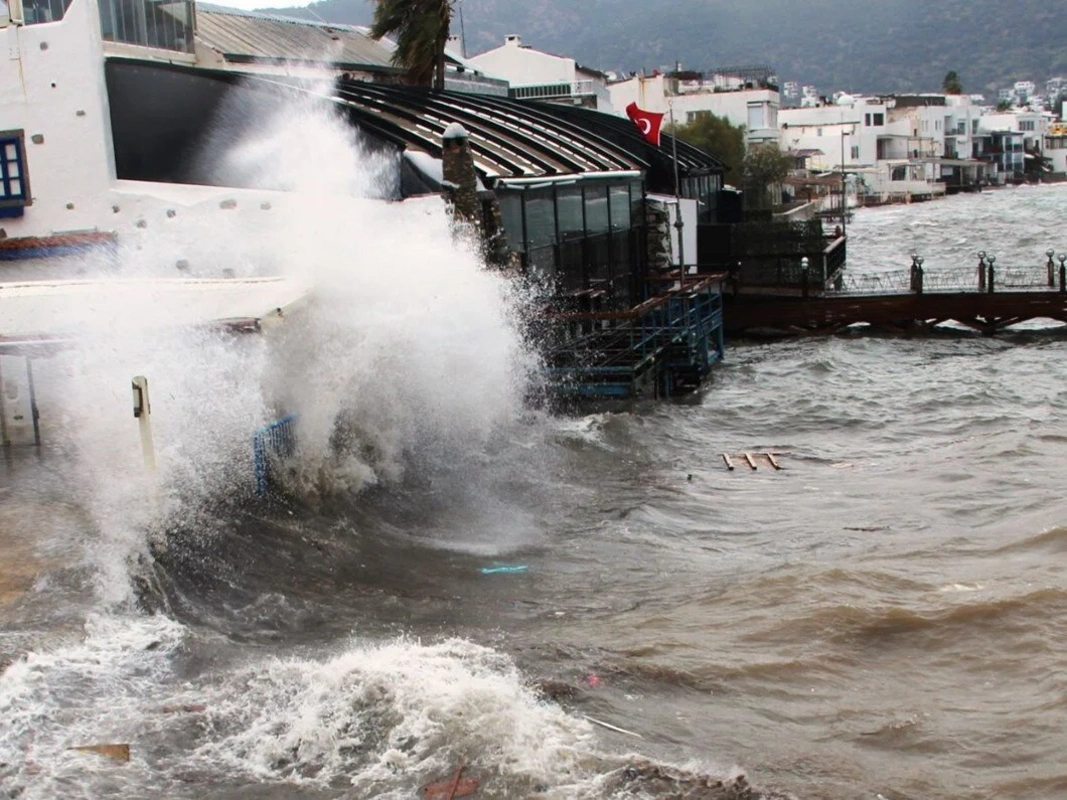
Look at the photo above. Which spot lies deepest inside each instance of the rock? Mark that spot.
(185, 708)
(556, 690)
(647, 779)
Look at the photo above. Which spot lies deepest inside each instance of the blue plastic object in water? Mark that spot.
(503, 570)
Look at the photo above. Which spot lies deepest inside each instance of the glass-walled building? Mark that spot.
(579, 235)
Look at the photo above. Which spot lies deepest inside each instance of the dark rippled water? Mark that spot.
(887, 616)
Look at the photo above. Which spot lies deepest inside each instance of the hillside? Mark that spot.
(856, 45)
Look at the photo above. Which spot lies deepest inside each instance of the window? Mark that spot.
(756, 116)
(879, 120)
(818, 132)
(596, 210)
(867, 120)
(40, 11)
(164, 24)
(14, 181)
(569, 212)
(961, 128)
(619, 204)
(511, 214)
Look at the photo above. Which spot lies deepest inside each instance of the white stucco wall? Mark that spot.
(52, 87)
(524, 66)
(835, 130)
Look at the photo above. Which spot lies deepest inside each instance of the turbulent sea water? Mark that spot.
(886, 617)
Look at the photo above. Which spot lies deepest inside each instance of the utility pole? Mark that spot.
(679, 223)
(462, 32)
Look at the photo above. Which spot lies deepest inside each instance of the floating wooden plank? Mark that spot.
(754, 461)
(439, 790)
(118, 752)
(451, 788)
(610, 727)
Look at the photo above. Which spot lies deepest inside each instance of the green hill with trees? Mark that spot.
(854, 45)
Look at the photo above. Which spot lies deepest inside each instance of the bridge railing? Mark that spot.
(957, 280)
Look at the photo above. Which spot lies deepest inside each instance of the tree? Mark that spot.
(420, 28)
(1003, 105)
(765, 166)
(715, 135)
(951, 84)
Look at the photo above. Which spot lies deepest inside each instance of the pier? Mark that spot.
(986, 298)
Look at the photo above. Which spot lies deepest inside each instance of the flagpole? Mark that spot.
(679, 224)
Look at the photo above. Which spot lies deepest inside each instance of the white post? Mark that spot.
(142, 411)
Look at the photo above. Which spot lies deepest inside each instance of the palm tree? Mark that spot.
(421, 31)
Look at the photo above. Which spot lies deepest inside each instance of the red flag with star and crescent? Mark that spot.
(648, 122)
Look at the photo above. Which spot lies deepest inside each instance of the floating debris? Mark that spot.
(451, 788)
(185, 708)
(754, 460)
(116, 752)
(611, 727)
(504, 570)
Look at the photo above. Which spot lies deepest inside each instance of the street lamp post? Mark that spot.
(844, 198)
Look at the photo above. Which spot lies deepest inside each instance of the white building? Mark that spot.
(751, 101)
(1056, 147)
(64, 107)
(844, 135)
(908, 146)
(536, 75)
(1033, 125)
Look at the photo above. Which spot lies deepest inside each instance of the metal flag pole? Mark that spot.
(679, 224)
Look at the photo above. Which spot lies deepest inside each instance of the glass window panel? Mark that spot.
(11, 152)
(511, 215)
(619, 201)
(13, 169)
(148, 23)
(16, 188)
(542, 263)
(40, 11)
(540, 219)
(569, 209)
(596, 209)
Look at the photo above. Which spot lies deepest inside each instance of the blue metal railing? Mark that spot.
(669, 342)
(270, 443)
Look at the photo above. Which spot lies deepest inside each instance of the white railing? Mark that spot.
(549, 91)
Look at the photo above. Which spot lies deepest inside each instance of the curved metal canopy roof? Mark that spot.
(517, 139)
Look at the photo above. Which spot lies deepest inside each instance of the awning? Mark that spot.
(49, 312)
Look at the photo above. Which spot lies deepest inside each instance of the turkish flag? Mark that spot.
(648, 122)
